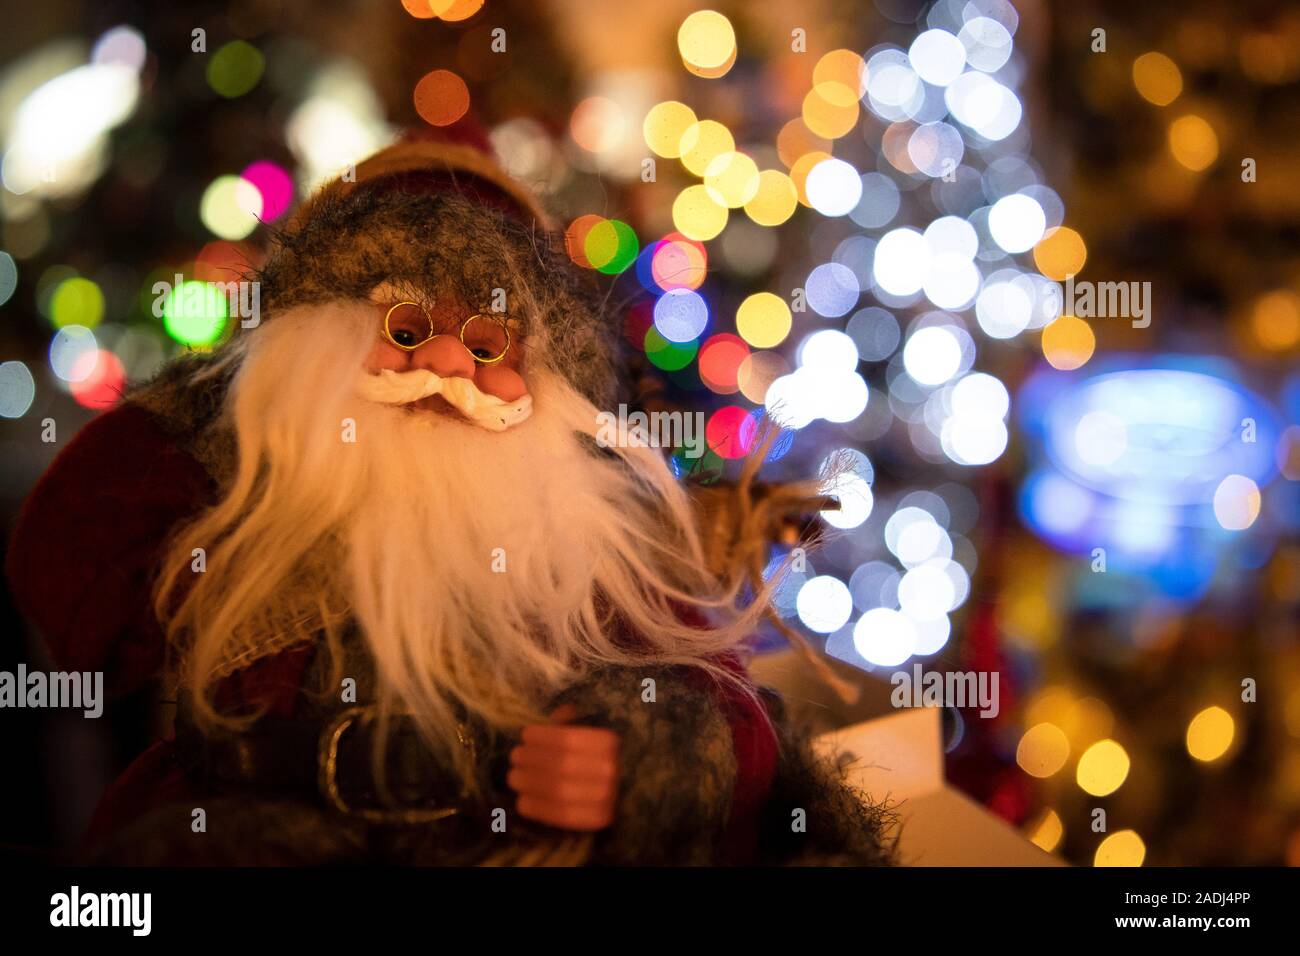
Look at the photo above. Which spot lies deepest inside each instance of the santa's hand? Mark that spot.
(566, 777)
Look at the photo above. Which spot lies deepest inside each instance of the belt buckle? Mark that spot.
(328, 762)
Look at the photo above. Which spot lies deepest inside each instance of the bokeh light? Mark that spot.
(1193, 142)
(1122, 848)
(1210, 734)
(1157, 78)
(234, 68)
(1068, 343)
(441, 98)
(231, 207)
(1043, 750)
(707, 43)
(664, 126)
(1103, 768)
(764, 320)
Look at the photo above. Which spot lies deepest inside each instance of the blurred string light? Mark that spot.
(1043, 750)
(56, 136)
(452, 11)
(1102, 768)
(1210, 734)
(195, 313)
(441, 98)
(234, 68)
(274, 187)
(1193, 142)
(1157, 78)
(707, 43)
(1122, 848)
(950, 231)
(8, 277)
(17, 389)
(231, 207)
(1047, 833)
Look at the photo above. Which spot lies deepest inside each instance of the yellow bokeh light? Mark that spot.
(707, 43)
(846, 70)
(1157, 78)
(1102, 768)
(703, 142)
(731, 179)
(696, 215)
(1060, 253)
(763, 320)
(775, 199)
(1043, 750)
(1068, 343)
(830, 109)
(664, 126)
(1047, 833)
(1193, 142)
(76, 301)
(453, 11)
(1210, 733)
(1275, 320)
(1123, 848)
(230, 207)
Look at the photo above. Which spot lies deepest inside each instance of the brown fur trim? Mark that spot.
(187, 398)
(842, 826)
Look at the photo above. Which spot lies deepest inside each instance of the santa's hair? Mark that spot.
(486, 572)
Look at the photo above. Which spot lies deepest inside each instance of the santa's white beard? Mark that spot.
(484, 569)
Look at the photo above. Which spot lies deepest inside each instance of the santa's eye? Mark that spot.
(407, 325)
(486, 337)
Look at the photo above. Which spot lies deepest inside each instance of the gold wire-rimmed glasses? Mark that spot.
(408, 325)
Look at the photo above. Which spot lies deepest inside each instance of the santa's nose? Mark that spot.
(445, 356)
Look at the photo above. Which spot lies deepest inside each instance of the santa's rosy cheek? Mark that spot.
(385, 356)
(505, 383)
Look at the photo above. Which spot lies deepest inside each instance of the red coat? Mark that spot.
(82, 563)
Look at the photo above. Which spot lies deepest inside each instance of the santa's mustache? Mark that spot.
(389, 387)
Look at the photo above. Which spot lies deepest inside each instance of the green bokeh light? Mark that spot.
(235, 68)
(669, 356)
(611, 246)
(76, 301)
(195, 313)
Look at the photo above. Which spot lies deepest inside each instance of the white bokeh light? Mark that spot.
(1017, 222)
(884, 637)
(932, 355)
(982, 395)
(855, 499)
(834, 187)
(902, 262)
(937, 56)
(830, 351)
(824, 604)
(973, 439)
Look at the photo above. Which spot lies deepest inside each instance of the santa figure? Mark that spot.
(410, 609)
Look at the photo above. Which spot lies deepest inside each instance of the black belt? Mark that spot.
(331, 760)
